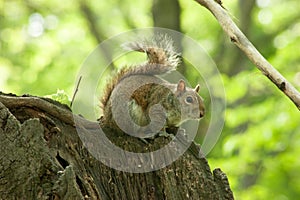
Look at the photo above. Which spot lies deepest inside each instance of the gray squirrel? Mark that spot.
(141, 104)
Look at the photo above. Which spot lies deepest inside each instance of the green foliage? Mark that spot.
(61, 97)
(43, 44)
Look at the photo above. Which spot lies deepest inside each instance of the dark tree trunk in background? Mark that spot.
(166, 14)
(42, 157)
(232, 60)
(245, 15)
(238, 60)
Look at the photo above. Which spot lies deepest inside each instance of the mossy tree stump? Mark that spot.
(42, 157)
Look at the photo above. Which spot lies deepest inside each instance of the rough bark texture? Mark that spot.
(42, 157)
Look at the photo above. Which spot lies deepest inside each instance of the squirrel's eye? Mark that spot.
(189, 99)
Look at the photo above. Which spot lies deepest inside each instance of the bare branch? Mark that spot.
(240, 40)
(76, 90)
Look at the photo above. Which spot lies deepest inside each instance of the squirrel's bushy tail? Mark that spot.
(161, 53)
(162, 58)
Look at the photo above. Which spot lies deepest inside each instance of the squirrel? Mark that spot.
(138, 102)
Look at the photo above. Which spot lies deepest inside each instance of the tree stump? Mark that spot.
(42, 157)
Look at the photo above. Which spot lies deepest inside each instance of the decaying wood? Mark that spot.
(241, 41)
(42, 157)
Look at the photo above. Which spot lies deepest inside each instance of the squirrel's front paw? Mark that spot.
(164, 133)
(182, 132)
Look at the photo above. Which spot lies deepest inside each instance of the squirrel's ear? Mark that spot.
(181, 86)
(197, 88)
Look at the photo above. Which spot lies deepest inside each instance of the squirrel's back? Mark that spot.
(162, 58)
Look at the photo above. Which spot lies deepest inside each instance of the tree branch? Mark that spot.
(240, 40)
(55, 109)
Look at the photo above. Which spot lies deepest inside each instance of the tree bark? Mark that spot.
(42, 157)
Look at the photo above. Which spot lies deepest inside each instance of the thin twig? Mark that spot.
(75, 92)
(240, 40)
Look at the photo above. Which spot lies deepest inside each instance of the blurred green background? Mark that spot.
(43, 44)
